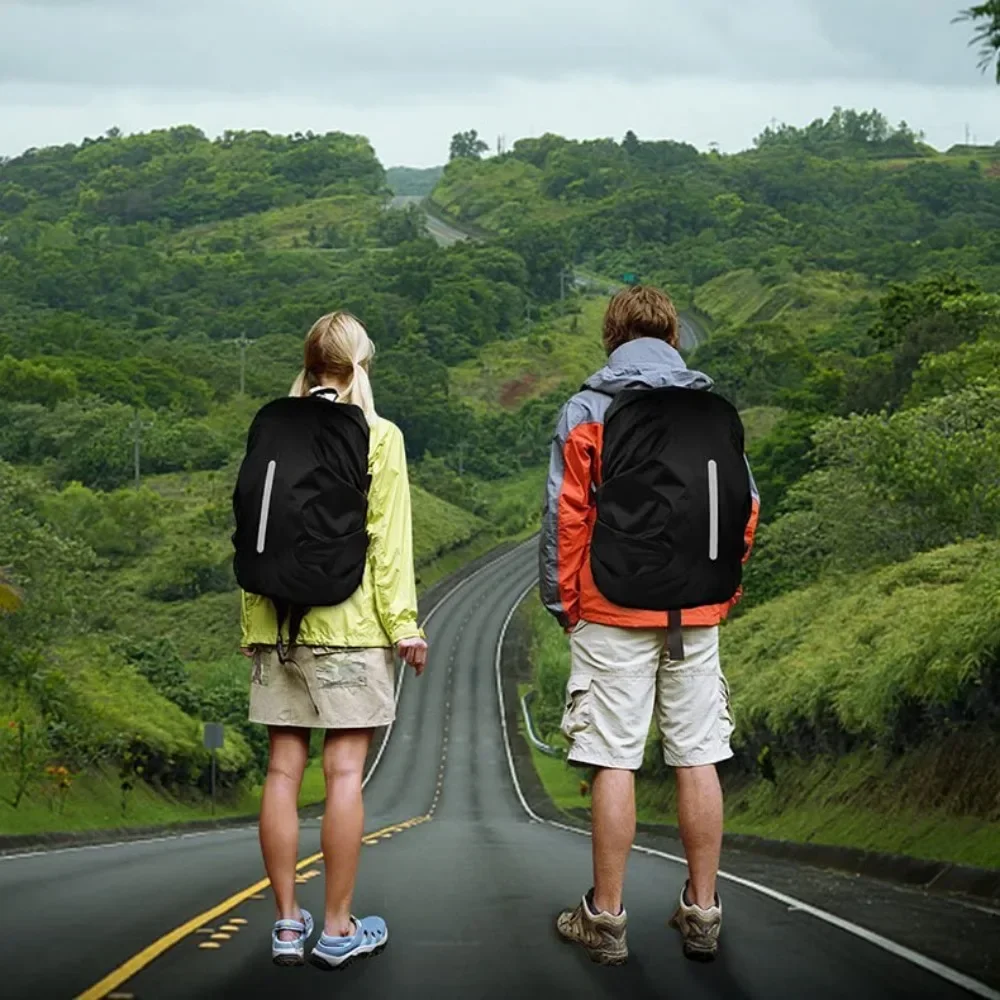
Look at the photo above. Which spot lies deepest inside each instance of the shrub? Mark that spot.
(187, 569)
(884, 655)
(24, 749)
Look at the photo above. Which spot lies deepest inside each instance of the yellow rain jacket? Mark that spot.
(383, 610)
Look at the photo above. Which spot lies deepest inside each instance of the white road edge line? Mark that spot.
(236, 829)
(900, 951)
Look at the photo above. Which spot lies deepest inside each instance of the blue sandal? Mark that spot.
(291, 952)
(370, 936)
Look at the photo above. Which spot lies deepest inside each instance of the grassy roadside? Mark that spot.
(95, 803)
(863, 799)
(94, 800)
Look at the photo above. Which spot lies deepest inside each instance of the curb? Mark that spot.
(941, 877)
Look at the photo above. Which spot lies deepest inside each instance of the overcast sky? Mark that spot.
(409, 73)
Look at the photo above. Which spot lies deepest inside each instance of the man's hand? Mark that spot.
(247, 651)
(414, 652)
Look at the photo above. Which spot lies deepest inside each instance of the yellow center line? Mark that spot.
(141, 959)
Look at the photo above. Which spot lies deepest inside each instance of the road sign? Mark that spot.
(215, 736)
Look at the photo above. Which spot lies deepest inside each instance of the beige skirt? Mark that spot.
(323, 687)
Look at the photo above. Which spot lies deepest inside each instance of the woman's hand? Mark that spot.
(414, 652)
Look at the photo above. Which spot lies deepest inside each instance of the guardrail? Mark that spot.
(529, 725)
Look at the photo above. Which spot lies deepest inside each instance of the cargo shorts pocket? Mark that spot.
(578, 711)
(726, 713)
(340, 669)
(258, 673)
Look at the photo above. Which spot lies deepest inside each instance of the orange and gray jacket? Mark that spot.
(567, 585)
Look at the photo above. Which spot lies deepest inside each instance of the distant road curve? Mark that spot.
(693, 333)
(445, 234)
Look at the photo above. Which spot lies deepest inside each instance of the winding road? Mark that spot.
(692, 332)
(468, 881)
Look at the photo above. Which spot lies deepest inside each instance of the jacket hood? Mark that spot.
(646, 363)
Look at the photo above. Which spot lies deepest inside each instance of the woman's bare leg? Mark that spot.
(343, 822)
(279, 816)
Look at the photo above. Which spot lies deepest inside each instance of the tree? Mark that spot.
(467, 146)
(35, 382)
(986, 18)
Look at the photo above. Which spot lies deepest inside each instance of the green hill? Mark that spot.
(137, 270)
(157, 287)
(121, 701)
(848, 274)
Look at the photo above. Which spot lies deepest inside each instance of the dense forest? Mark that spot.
(845, 277)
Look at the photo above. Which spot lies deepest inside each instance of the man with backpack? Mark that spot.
(650, 512)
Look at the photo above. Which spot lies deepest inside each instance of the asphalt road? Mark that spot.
(469, 893)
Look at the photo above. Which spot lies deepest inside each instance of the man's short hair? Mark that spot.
(640, 311)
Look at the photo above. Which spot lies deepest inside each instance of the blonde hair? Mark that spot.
(338, 348)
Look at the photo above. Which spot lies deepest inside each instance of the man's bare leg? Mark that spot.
(613, 811)
(699, 813)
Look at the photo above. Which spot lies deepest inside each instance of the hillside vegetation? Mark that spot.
(135, 272)
(848, 275)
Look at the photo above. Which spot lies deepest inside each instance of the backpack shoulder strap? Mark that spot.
(675, 637)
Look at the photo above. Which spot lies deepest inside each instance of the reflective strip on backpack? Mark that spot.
(713, 510)
(265, 505)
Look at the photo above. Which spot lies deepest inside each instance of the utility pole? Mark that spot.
(243, 342)
(563, 275)
(137, 447)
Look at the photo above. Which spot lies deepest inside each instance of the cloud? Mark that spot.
(397, 46)
(414, 72)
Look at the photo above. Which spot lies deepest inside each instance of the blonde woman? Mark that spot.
(339, 673)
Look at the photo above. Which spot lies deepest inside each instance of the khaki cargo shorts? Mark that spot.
(323, 687)
(618, 676)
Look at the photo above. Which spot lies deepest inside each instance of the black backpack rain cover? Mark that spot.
(301, 506)
(674, 501)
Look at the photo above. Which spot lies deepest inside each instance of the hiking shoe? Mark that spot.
(291, 952)
(370, 936)
(601, 934)
(699, 928)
